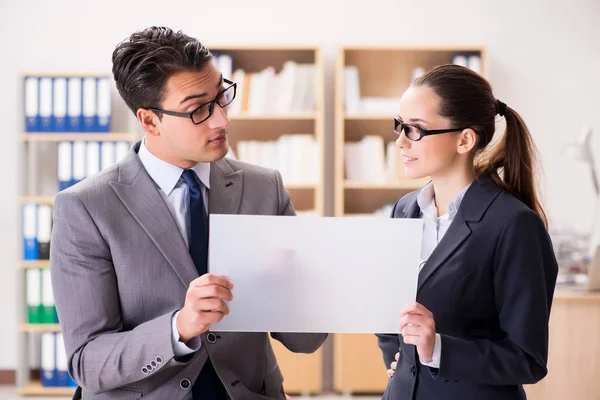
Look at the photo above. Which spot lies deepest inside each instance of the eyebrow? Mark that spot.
(418, 120)
(201, 95)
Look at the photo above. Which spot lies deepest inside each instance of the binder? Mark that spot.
(104, 105)
(59, 105)
(30, 244)
(49, 315)
(48, 362)
(79, 165)
(107, 155)
(74, 109)
(44, 228)
(121, 150)
(92, 158)
(65, 165)
(32, 102)
(90, 105)
(46, 104)
(33, 282)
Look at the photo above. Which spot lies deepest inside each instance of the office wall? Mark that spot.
(544, 55)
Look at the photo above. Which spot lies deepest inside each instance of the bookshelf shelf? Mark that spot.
(39, 328)
(37, 264)
(35, 388)
(47, 200)
(76, 137)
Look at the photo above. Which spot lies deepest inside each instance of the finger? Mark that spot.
(412, 331)
(211, 317)
(393, 365)
(213, 304)
(390, 373)
(415, 308)
(397, 356)
(213, 291)
(212, 279)
(416, 319)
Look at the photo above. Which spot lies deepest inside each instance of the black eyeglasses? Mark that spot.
(202, 113)
(416, 133)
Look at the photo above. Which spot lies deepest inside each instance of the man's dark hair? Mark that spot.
(144, 62)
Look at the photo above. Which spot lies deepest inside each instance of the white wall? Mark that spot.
(545, 59)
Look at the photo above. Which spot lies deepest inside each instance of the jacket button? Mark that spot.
(211, 337)
(185, 384)
(413, 370)
(145, 371)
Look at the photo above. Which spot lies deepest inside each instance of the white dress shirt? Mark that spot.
(175, 194)
(434, 229)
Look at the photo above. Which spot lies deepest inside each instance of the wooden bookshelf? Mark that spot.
(263, 127)
(302, 372)
(45, 200)
(35, 388)
(78, 137)
(386, 72)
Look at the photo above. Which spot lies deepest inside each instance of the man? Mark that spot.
(129, 246)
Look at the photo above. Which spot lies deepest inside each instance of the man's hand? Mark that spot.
(204, 305)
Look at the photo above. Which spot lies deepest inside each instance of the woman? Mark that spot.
(479, 326)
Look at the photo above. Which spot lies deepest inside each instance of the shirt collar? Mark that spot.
(426, 202)
(167, 175)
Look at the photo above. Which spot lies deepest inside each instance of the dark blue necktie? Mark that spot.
(208, 386)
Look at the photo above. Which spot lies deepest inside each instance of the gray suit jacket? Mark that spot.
(120, 269)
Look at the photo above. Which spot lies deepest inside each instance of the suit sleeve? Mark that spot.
(102, 355)
(525, 271)
(389, 343)
(295, 342)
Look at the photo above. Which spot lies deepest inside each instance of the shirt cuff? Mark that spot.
(437, 353)
(181, 349)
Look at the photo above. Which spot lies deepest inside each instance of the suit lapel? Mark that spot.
(476, 201)
(141, 197)
(225, 188)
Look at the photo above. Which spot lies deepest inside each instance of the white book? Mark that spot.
(351, 89)
(45, 97)
(60, 100)
(90, 105)
(47, 293)
(236, 106)
(474, 63)
(373, 167)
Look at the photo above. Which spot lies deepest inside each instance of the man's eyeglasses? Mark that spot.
(202, 113)
(416, 133)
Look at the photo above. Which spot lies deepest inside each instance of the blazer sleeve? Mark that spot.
(102, 356)
(525, 271)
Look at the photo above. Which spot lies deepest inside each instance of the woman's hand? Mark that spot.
(418, 328)
(392, 370)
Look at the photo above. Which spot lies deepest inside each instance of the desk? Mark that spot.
(574, 349)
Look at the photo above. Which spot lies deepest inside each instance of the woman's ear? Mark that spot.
(467, 141)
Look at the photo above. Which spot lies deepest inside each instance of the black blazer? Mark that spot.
(489, 284)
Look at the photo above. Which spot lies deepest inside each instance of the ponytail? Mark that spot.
(511, 163)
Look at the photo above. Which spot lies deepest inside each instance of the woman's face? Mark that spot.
(433, 155)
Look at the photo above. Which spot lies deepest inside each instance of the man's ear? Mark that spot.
(149, 121)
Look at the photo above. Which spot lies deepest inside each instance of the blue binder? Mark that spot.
(59, 105)
(30, 243)
(74, 105)
(31, 103)
(46, 119)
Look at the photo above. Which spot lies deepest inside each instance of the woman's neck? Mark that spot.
(446, 187)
